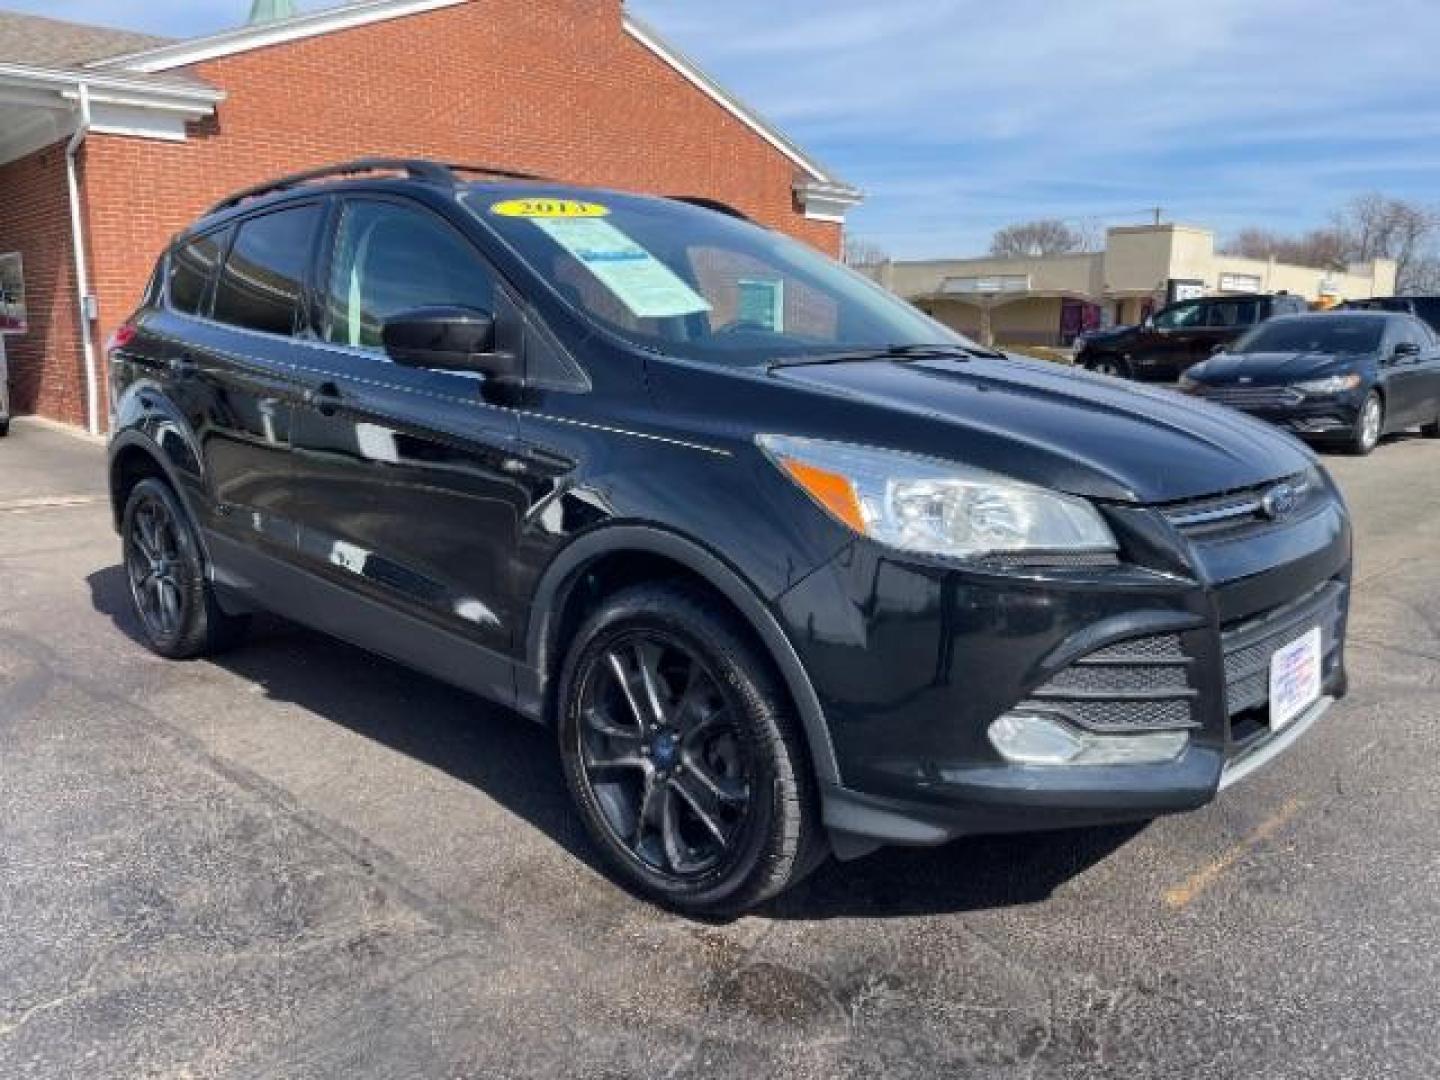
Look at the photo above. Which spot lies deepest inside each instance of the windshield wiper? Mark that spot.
(888, 352)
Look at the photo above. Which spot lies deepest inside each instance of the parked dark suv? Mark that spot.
(1425, 308)
(789, 567)
(1175, 337)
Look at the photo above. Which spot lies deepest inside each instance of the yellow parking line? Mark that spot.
(1181, 895)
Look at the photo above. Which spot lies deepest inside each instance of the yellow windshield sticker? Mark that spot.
(549, 208)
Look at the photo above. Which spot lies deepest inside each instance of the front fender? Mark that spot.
(568, 566)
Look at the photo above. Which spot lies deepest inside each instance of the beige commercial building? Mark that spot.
(1047, 300)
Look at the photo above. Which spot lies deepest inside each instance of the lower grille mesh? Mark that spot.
(1138, 685)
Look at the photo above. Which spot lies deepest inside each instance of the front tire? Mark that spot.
(165, 568)
(1432, 429)
(1369, 423)
(1109, 365)
(682, 754)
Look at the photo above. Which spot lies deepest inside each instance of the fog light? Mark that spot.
(1032, 739)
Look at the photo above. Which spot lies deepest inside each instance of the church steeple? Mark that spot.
(263, 11)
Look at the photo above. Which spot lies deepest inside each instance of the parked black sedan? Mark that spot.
(1347, 376)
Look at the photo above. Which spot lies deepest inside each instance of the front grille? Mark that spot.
(1138, 685)
(1235, 513)
(1254, 397)
(1249, 645)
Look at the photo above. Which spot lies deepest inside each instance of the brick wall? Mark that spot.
(47, 368)
(554, 87)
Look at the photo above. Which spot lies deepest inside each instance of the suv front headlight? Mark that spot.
(937, 507)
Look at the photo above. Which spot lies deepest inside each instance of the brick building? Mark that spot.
(122, 139)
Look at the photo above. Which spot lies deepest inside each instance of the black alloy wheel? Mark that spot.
(154, 565)
(662, 754)
(681, 755)
(178, 612)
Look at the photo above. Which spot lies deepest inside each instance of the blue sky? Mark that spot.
(960, 116)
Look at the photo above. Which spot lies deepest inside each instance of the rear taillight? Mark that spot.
(123, 335)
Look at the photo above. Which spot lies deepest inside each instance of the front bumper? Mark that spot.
(913, 661)
(1319, 416)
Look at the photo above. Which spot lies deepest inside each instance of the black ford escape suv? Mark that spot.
(790, 567)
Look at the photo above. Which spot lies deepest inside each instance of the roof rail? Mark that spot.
(415, 168)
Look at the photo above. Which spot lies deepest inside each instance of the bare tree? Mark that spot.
(1380, 227)
(1047, 236)
(860, 251)
(1319, 247)
(1368, 227)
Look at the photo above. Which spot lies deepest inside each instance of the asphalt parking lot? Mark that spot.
(302, 861)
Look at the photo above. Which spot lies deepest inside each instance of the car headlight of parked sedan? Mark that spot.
(1334, 384)
(936, 507)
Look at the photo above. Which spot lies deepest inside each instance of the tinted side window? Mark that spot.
(391, 258)
(263, 284)
(1231, 313)
(1181, 315)
(191, 269)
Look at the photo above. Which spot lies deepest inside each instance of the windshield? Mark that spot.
(1321, 333)
(699, 284)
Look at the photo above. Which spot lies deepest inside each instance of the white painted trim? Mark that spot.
(143, 106)
(150, 90)
(826, 202)
(140, 123)
(281, 32)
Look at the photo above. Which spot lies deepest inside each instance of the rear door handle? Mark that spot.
(324, 398)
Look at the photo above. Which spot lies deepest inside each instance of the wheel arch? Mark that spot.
(641, 552)
(134, 456)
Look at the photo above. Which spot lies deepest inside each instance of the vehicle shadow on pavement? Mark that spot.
(509, 758)
(514, 761)
(971, 874)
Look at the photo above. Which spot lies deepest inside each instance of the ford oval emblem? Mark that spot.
(1280, 501)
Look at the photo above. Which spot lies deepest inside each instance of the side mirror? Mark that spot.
(1405, 351)
(448, 339)
(1217, 348)
(1148, 322)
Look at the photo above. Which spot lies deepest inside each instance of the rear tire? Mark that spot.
(682, 753)
(1369, 423)
(1432, 429)
(165, 568)
(4, 428)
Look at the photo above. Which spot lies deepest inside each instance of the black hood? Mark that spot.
(1276, 368)
(1059, 427)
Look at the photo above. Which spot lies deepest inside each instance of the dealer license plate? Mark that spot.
(1294, 679)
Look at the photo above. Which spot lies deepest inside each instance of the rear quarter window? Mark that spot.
(191, 269)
